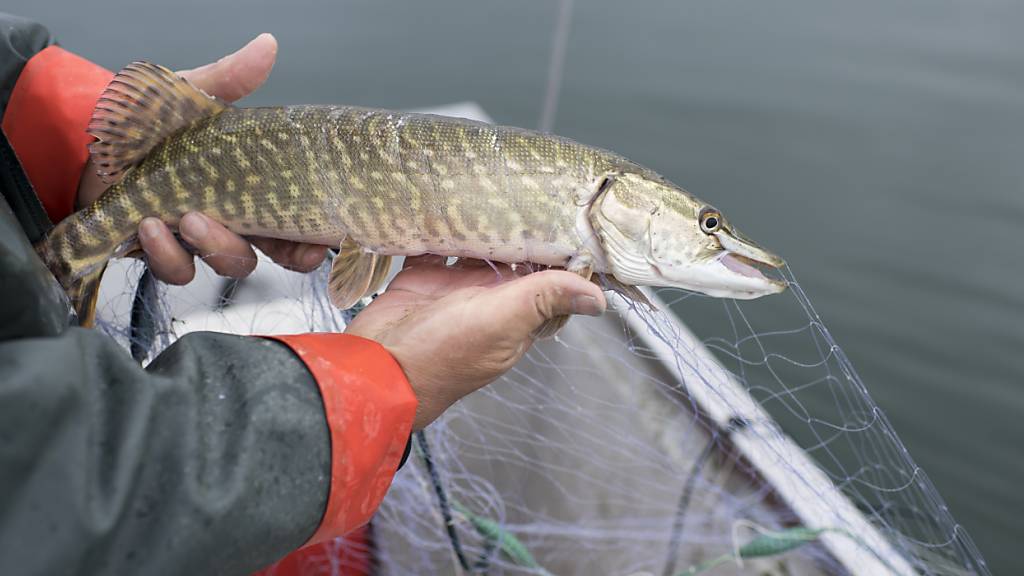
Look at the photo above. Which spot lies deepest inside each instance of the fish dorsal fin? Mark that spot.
(142, 106)
(351, 274)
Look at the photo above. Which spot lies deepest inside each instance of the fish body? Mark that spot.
(395, 183)
(378, 183)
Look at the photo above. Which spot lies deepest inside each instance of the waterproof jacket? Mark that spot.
(223, 455)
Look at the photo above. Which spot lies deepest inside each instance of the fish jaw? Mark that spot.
(736, 243)
(736, 271)
(727, 275)
(734, 275)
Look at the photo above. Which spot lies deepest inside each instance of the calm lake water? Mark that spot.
(878, 145)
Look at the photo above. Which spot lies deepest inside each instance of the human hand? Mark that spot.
(454, 329)
(229, 254)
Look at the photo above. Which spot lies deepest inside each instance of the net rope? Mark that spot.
(627, 445)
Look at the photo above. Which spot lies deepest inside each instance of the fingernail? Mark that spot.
(588, 305)
(194, 227)
(266, 36)
(149, 228)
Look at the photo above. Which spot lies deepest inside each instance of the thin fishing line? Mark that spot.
(556, 66)
(442, 499)
(683, 505)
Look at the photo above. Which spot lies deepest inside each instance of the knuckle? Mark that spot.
(233, 267)
(546, 298)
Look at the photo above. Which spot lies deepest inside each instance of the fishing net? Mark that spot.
(740, 442)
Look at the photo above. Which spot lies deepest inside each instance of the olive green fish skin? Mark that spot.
(396, 183)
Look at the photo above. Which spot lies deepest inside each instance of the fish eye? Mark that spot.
(710, 220)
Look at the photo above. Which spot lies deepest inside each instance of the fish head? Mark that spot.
(654, 233)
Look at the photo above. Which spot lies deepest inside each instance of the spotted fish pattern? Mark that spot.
(392, 183)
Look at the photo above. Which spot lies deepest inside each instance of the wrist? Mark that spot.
(429, 404)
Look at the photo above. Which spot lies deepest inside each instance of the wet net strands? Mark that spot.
(580, 456)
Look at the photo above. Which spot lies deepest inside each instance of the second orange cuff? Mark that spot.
(370, 410)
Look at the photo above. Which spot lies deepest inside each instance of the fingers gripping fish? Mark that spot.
(380, 184)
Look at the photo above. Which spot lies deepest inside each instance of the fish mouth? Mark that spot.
(746, 262)
(754, 269)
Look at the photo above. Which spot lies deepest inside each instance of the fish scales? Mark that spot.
(379, 183)
(433, 184)
(397, 184)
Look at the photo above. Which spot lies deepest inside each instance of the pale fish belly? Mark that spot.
(453, 230)
(503, 228)
(535, 251)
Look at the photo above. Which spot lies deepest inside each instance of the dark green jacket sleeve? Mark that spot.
(20, 39)
(213, 460)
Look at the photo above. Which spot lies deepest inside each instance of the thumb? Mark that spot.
(522, 305)
(230, 78)
(237, 75)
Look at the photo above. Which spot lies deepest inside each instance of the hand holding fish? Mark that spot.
(230, 78)
(455, 329)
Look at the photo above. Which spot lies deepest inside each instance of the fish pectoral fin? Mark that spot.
(581, 264)
(143, 105)
(380, 274)
(352, 274)
(630, 292)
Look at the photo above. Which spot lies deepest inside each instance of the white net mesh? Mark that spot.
(627, 445)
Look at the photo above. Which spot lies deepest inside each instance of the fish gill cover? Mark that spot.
(627, 445)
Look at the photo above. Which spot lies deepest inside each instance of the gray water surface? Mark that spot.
(878, 145)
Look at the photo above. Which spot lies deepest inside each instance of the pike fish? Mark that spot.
(379, 184)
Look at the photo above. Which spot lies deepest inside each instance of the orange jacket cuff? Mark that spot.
(353, 555)
(370, 410)
(45, 123)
